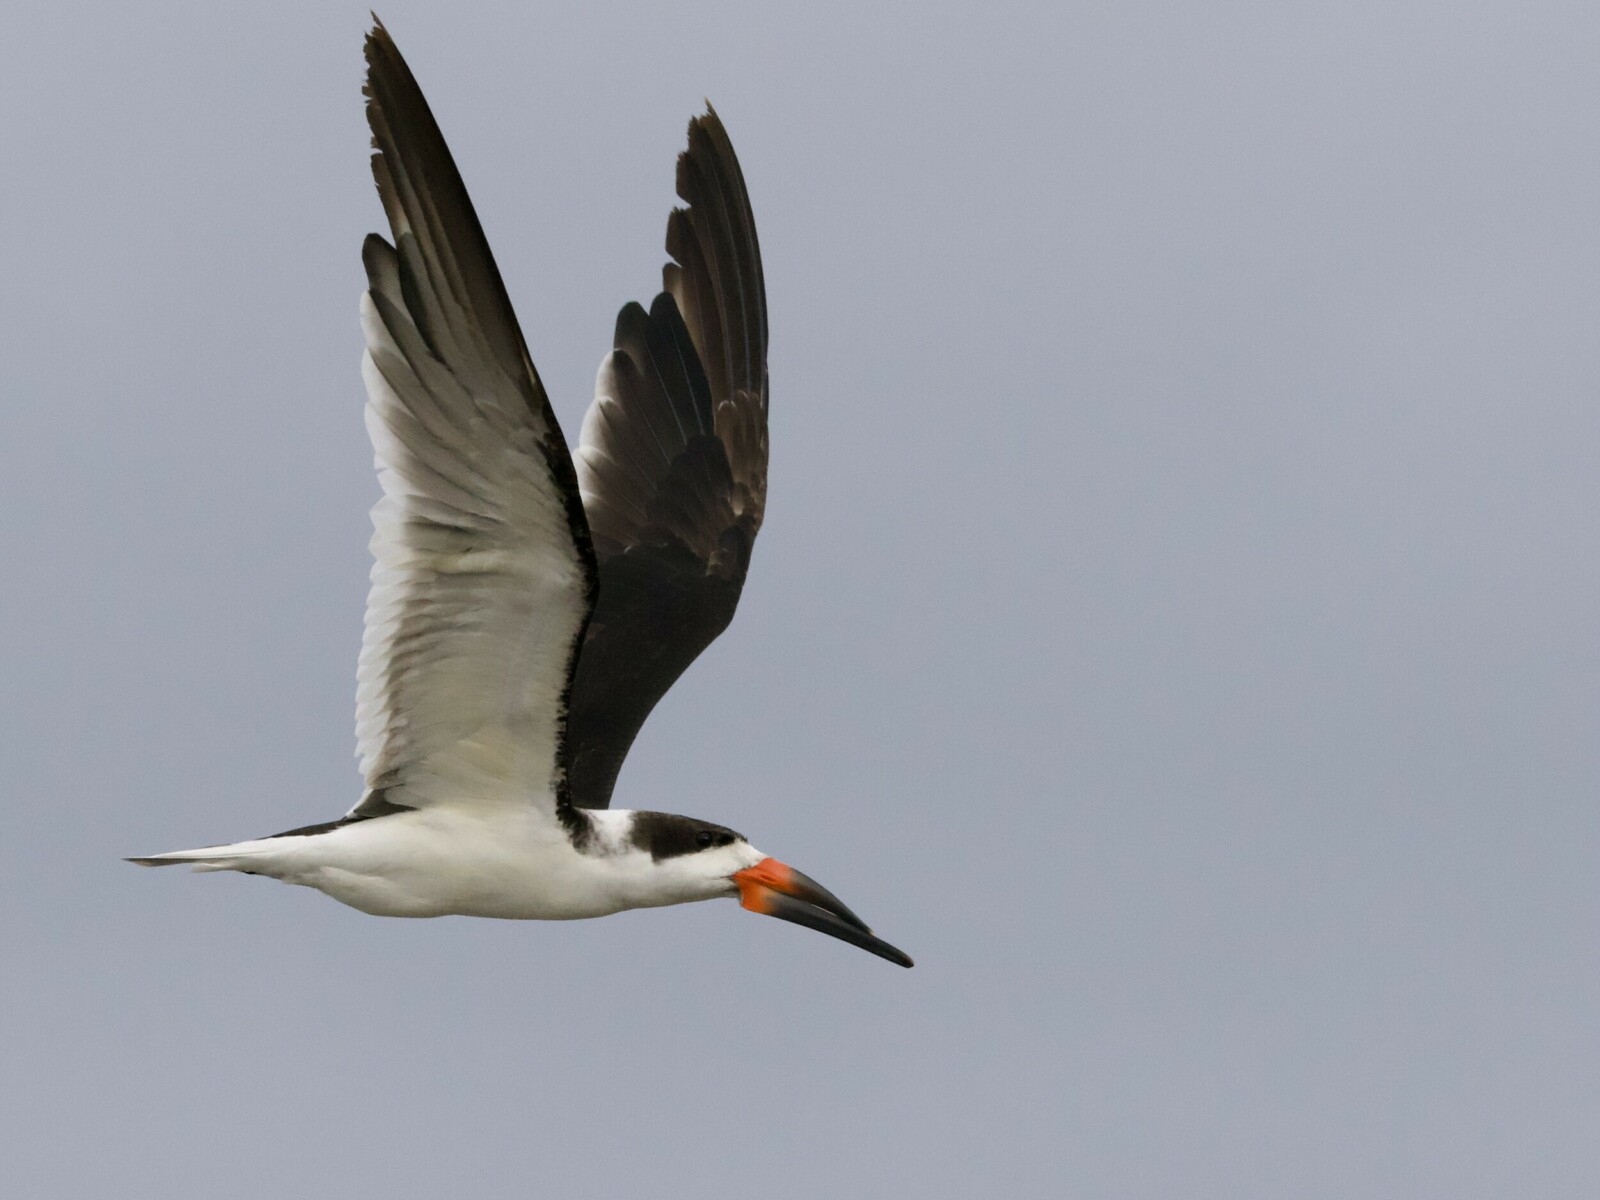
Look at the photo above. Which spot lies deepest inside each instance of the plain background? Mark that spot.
(1175, 622)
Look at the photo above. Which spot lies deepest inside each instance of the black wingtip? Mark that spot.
(376, 49)
(707, 124)
(375, 43)
(383, 57)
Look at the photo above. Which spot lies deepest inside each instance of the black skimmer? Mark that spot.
(529, 606)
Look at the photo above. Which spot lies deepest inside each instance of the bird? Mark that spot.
(530, 605)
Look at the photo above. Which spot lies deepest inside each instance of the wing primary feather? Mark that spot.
(484, 574)
(672, 464)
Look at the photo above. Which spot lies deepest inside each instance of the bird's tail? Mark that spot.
(235, 857)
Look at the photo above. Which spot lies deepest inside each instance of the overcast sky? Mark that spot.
(1176, 623)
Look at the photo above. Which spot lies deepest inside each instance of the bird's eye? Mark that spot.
(703, 838)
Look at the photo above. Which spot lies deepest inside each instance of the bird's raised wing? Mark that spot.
(672, 464)
(484, 574)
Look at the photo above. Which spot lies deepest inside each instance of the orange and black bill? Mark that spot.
(776, 889)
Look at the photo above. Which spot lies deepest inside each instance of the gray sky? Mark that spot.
(1177, 620)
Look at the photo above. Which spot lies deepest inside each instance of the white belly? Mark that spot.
(436, 862)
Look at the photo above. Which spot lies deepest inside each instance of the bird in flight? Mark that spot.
(530, 606)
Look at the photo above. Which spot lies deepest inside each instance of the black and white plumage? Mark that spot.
(528, 607)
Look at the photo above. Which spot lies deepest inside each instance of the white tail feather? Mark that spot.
(209, 858)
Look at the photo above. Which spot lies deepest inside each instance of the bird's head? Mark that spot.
(699, 861)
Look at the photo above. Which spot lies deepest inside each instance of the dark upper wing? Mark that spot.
(672, 465)
(485, 575)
